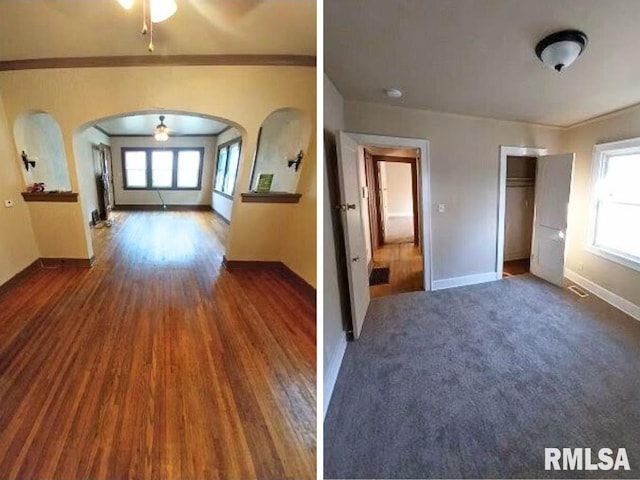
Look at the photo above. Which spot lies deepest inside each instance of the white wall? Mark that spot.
(464, 176)
(334, 335)
(399, 189)
(88, 165)
(618, 279)
(39, 136)
(284, 134)
(221, 204)
(171, 197)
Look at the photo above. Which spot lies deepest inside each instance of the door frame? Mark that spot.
(424, 190)
(508, 151)
(413, 163)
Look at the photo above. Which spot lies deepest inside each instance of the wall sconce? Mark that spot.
(27, 162)
(295, 162)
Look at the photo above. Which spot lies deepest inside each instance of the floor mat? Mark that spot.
(379, 276)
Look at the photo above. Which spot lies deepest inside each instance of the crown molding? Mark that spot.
(154, 61)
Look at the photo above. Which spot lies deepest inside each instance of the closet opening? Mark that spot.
(519, 214)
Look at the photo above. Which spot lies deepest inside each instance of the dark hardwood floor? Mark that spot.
(157, 362)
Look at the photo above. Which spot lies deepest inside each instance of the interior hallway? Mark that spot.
(158, 362)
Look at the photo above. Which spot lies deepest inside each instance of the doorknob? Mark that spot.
(342, 207)
(351, 206)
(355, 259)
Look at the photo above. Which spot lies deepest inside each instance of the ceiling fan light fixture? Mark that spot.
(160, 10)
(561, 49)
(126, 4)
(161, 133)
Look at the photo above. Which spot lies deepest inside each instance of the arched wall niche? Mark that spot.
(283, 134)
(39, 136)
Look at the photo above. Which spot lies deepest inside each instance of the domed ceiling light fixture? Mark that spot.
(161, 133)
(561, 49)
(153, 11)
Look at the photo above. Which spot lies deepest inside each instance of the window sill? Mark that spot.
(614, 257)
(222, 194)
(270, 197)
(65, 197)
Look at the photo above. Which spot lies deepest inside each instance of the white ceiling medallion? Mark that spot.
(561, 49)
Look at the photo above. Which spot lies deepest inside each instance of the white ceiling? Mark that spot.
(79, 28)
(146, 123)
(477, 57)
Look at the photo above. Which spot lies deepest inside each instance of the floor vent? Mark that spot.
(578, 291)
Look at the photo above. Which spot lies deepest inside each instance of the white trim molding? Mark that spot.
(506, 151)
(424, 170)
(617, 301)
(331, 373)
(466, 280)
(601, 152)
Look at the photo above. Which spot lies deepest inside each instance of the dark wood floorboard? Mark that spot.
(405, 269)
(515, 267)
(157, 362)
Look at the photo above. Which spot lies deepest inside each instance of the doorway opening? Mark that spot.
(392, 184)
(519, 210)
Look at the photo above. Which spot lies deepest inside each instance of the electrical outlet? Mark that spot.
(8, 203)
(441, 207)
(580, 266)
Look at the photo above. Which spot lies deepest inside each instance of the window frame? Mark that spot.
(601, 152)
(174, 178)
(227, 145)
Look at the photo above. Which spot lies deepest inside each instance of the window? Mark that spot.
(615, 219)
(162, 168)
(227, 167)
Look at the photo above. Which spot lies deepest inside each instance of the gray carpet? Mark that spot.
(475, 382)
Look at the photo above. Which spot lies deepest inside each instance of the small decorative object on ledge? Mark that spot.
(35, 187)
(27, 162)
(264, 182)
(295, 162)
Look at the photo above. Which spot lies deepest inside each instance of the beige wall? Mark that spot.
(170, 197)
(464, 161)
(243, 95)
(616, 278)
(18, 246)
(399, 189)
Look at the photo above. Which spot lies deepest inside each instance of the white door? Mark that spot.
(353, 225)
(553, 186)
(384, 199)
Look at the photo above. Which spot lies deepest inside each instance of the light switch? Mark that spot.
(8, 203)
(441, 207)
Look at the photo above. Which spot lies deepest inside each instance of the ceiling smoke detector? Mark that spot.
(561, 49)
(393, 93)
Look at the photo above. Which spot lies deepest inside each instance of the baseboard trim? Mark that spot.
(222, 217)
(611, 298)
(178, 208)
(22, 274)
(331, 373)
(463, 281)
(307, 290)
(67, 262)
